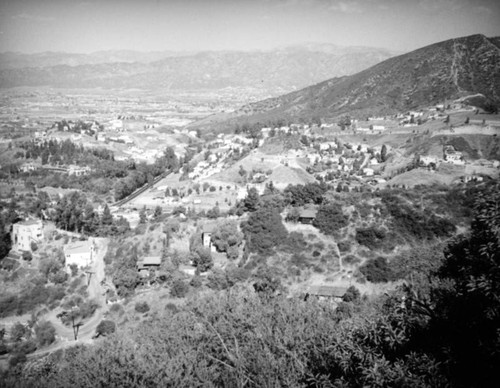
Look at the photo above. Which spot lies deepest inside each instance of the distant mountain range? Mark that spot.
(430, 75)
(277, 71)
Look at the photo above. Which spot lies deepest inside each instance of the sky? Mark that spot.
(83, 26)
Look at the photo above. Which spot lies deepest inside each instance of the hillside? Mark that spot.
(277, 71)
(430, 75)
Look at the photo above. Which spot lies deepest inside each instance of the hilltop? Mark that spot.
(448, 70)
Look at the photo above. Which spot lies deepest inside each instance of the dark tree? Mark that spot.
(330, 218)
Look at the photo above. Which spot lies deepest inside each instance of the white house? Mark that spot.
(368, 171)
(26, 232)
(80, 253)
(78, 171)
(426, 160)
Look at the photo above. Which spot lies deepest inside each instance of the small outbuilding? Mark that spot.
(323, 292)
(307, 216)
(147, 263)
(80, 253)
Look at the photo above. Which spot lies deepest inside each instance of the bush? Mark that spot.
(370, 237)
(106, 327)
(351, 295)
(330, 218)
(45, 333)
(344, 246)
(27, 256)
(179, 289)
(377, 270)
(141, 307)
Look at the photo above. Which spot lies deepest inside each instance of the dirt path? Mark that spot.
(64, 334)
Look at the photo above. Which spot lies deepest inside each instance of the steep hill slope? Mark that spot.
(432, 74)
(278, 71)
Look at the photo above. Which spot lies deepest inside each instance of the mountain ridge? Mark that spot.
(278, 71)
(429, 75)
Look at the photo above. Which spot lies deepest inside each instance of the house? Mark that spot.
(147, 263)
(26, 232)
(426, 160)
(188, 269)
(323, 292)
(206, 237)
(78, 171)
(28, 167)
(80, 253)
(368, 171)
(307, 216)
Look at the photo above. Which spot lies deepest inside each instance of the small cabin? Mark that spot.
(307, 216)
(323, 292)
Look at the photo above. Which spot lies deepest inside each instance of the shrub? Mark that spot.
(141, 307)
(351, 295)
(330, 218)
(370, 237)
(179, 289)
(27, 256)
(45, 333)
(377, 270)
(105, 327)
(344, 246)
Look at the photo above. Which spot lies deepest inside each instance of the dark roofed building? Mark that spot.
(307, 216)
(326, 292)
(145, 264)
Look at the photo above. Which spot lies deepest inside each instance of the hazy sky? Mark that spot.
(151, 25)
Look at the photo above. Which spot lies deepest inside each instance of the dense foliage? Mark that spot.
(330, 218)
(264, 230)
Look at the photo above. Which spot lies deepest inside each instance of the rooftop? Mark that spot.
(323, 290)
(78, 247)
(150, 260)
(30, 222)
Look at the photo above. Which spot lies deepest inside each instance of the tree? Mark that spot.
(18, 332)
(179, 289)
(377, 270)
(264, 230)
(171, 160)
(45, 333)
(251, 201)
(202, 259)
(157, 212)
(107, 217)
(227, 238)
(105, 327)
(351, 295)
(330, 218)
(466, 313)
(142, 216)
(344, 121)
(383, 153)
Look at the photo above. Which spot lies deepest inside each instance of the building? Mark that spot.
(25, 233)
(28, 167)
(323, 292)
(307, 216)
(78, 171)
(206, 237)
(80, 253)
(148, 263)
(368, 171)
